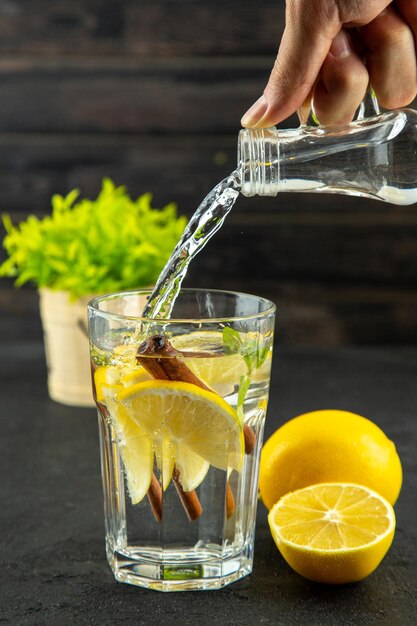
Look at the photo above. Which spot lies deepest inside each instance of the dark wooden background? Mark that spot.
(150, 93)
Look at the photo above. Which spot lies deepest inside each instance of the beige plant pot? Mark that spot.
(66, 346)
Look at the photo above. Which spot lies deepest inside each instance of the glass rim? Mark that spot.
(270, 307)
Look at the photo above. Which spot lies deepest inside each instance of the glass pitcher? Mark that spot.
(374, 156)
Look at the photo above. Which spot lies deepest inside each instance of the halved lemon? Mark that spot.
(198, 419)
(333, 532)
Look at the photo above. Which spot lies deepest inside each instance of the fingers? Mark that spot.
(342, 84)
(305, 62)
(408, 10)
(305, 43)
(391, 57)
(304, 110)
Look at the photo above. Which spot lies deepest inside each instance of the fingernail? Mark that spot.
(254, 114)
(341, 47)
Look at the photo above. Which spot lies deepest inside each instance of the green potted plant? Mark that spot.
(82, 249)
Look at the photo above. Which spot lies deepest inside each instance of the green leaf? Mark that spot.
(244, 385)
(84, 246)
(253, 355)
(232, 340)
(261, 356)
(249, 358)
(7, 223)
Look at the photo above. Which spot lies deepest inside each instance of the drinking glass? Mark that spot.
(181, 410)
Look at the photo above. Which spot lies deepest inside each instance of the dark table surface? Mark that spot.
(53, 566)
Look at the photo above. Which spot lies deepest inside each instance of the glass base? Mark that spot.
(179, 570)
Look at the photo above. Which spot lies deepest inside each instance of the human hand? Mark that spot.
(330, 51)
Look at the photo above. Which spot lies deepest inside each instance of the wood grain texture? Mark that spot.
(140, 27)
(296, 237)
(176, 167)
(151, 94)
(134, 95)
(308, 313)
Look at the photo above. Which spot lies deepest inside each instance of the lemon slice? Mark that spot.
(106, 377)
(165, 458)
(333, 532)
(226, 370)
(137, 455)
(133, 376)
(192, 468)
(113, 376)
(218, 370)
(199, 419)
(133, 442)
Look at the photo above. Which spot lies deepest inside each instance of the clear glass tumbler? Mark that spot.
(181, 407)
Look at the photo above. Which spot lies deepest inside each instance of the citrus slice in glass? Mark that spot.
(106, 377)
(165, 459)
(116, 375)
(201, 420)
(220, 369)
(133, 442)
(333, 532)
(137, 454)
(135, 375)
(192, 468)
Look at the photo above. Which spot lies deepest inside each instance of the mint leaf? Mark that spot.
(243, 390)
(253, 356)
(249, 358)
(232, 340)
(261, 356)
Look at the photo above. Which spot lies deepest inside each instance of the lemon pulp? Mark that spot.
(192, 417)
(333, 532)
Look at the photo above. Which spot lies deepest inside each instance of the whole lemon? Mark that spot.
(328, 446)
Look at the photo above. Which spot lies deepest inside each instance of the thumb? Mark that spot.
(305, 43)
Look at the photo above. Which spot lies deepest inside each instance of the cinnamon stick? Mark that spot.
(155, 497)
(230, 501)
(155, 368)
(250, 439)
(173, 368)
(189, 499)
(159, 358)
